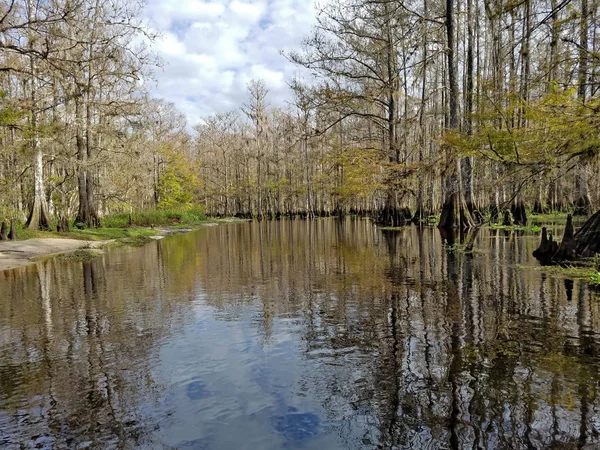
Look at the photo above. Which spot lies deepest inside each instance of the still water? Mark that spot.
(317, 334)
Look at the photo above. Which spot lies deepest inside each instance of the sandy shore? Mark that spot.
(15, 254)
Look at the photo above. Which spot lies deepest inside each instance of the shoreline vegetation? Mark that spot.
(140, 228)
(84, 244)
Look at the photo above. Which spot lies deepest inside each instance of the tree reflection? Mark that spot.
(403, 344)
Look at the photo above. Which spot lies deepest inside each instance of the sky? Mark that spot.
(211, 49)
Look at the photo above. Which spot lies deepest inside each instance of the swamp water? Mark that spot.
(316, 334)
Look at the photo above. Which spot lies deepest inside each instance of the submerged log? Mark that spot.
(12, 235)
(3, 236)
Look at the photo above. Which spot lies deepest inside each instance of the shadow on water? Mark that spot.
(300, 334)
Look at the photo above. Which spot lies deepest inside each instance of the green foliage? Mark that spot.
(358, 173)
(9, 212)
(178, 184)
(90, 234)
(137, 240)
(528, 228)
(583, 273)
(156, 217)
(10, 115)
(549, 217)
(83, 255)
(559, 126)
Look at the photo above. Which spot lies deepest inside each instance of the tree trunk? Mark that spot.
(420, 212)
(83, 210)
(12, 234)
(38, 216)
(588, 237)
(455, 213)
(583, 51)
(392, 214)
(582, 202)
(467, 163)
(507, 221)
(87, 214)
(518, 211)
(90, 218)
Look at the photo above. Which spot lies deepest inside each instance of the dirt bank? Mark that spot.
(15, 254)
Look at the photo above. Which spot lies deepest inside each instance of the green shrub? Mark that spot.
(155, 217)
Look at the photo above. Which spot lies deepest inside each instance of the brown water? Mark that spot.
(299, 334)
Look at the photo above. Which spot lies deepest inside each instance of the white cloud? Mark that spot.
(212, 48)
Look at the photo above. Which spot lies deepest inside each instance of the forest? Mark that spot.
(430, 111)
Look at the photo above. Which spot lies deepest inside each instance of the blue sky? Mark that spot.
(212, 48)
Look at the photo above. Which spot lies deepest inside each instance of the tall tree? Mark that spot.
(455, 213)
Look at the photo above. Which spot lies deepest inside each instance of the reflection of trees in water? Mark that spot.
(76, 349)
(429, 347)
(406, 345)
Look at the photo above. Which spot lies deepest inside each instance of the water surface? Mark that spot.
(317, 334)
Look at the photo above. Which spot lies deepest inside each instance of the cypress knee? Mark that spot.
(568, 245)
(547, 247)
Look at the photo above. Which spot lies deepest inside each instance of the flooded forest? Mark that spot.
(406, 240)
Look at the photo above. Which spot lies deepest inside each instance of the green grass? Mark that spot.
(431, 220)
(92, 234)
(83, 255)
(551, 217)
(119, 226)
(155, 217)
(131, 241)
(461, 249)
(584, 272)
(529, 228)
